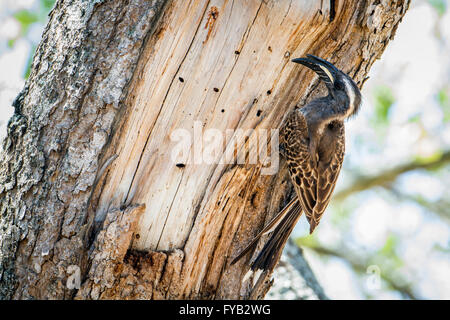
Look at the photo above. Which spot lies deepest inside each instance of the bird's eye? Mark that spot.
(338, 85)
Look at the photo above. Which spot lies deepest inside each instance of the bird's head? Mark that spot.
(340, 86)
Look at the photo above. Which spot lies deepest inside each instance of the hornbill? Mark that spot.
(312, 140)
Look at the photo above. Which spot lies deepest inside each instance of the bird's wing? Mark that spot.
(304, 177)
(328, 174)
(294, 137)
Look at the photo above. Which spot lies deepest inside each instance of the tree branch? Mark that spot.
(440, 208)
(360, 266)
(385, 178)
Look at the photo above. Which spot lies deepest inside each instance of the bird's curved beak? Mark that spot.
(325, 70)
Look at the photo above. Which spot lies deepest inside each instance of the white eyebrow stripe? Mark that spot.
(351, 96)
(327, 72)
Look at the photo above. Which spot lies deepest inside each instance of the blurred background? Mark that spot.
(386, 233)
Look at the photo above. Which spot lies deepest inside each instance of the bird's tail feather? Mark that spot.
(271, 251)
(281, 226)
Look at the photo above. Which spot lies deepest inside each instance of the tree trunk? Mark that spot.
(294, 278)
(93, 204)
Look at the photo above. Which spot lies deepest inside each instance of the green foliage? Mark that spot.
(29, 62)
(388, 253)
(444, 102)
(47, 4)
(384, 99)
(439, 5)
(389, 246)
(435, 157)
(415, 118)
(307, 241)
(342, 211)
(26, 18)
(442, 249)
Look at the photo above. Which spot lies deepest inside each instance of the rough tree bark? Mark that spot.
(89, 195)
(294, 278)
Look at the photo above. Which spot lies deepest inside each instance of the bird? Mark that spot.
(312, 140)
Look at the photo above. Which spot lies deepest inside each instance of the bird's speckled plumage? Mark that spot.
(312, 140)
(314, 182)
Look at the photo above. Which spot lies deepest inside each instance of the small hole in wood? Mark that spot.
(269, 92)
(180, 165)
(223, 110)
(252, 199)
(181, 79)
(216, 90)
(258, 113)
(236, 52)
